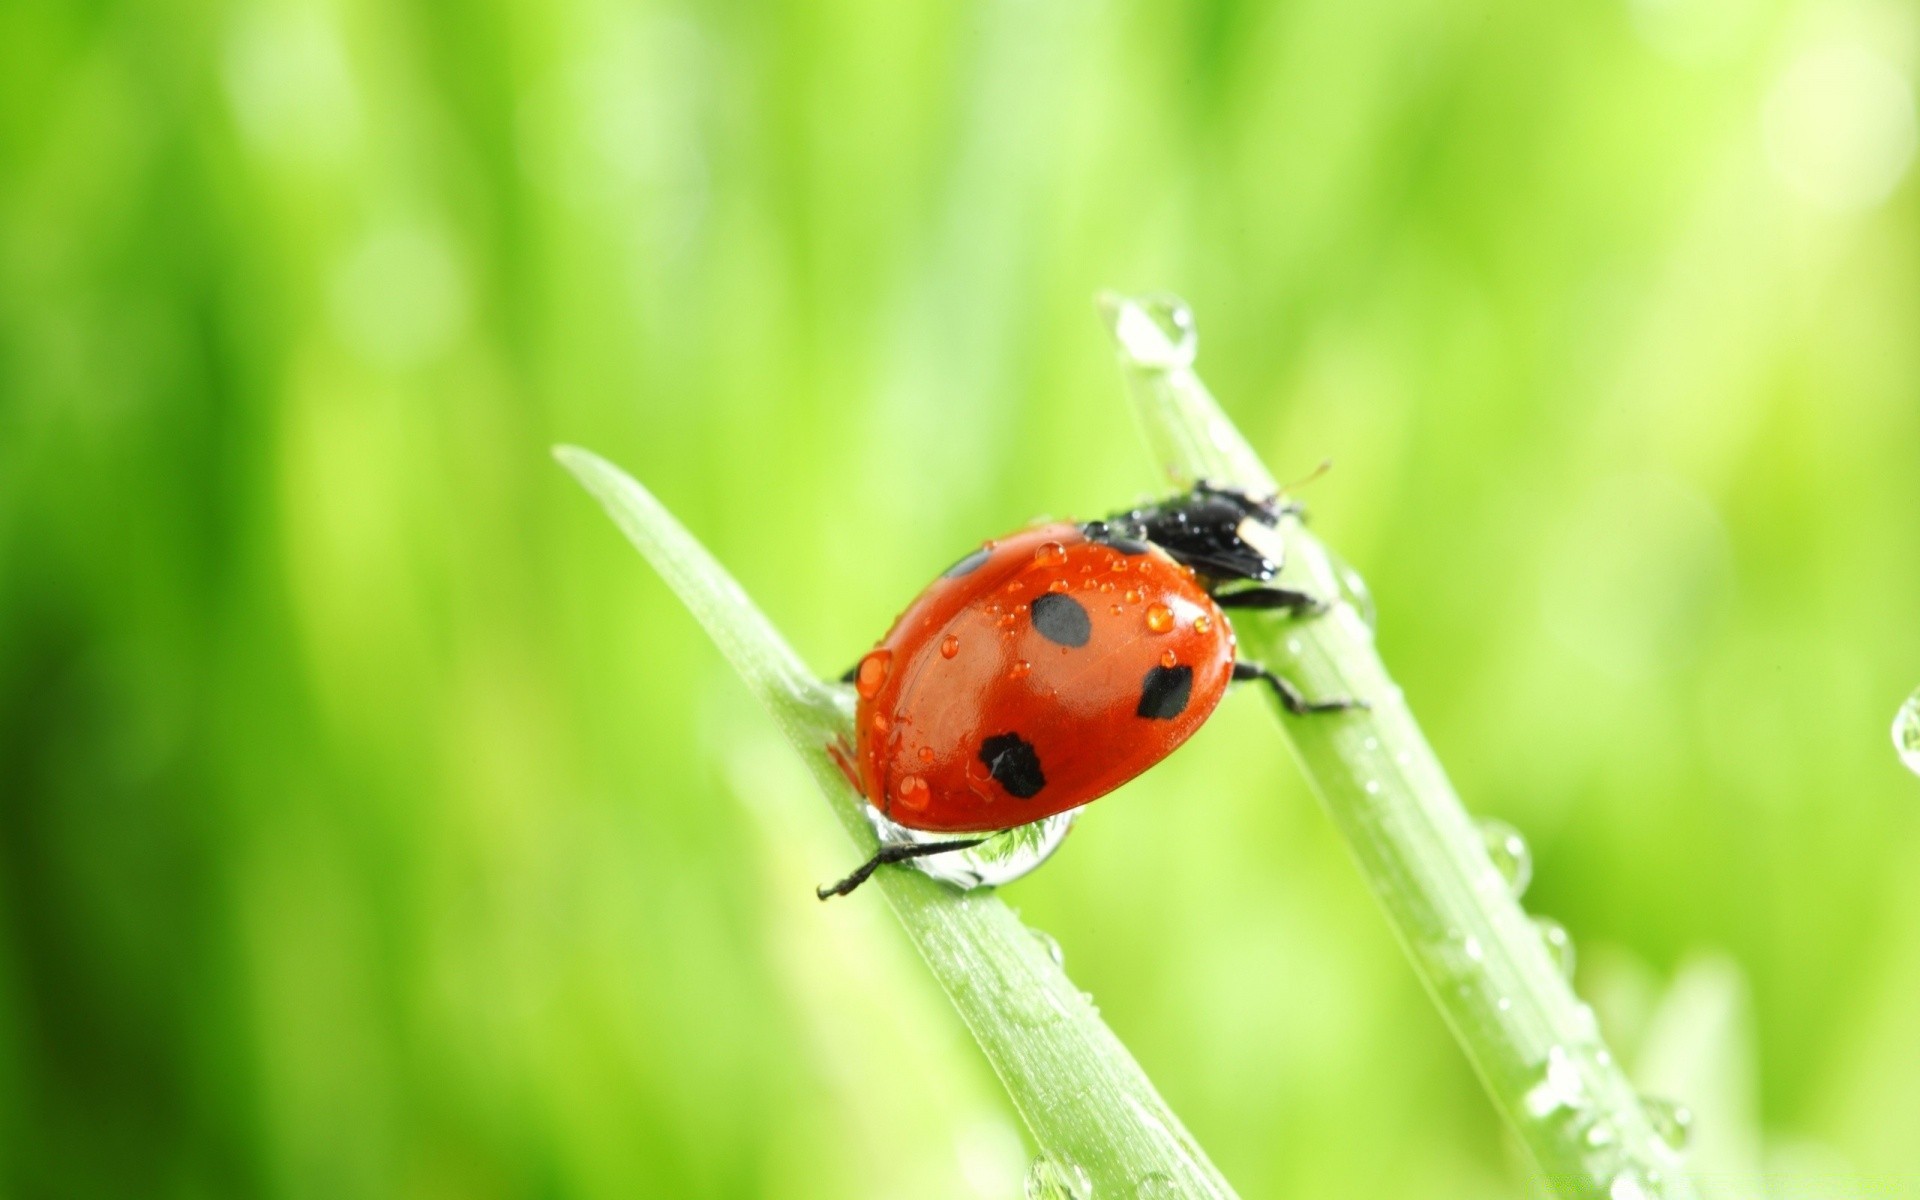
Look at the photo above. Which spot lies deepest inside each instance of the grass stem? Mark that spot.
(1533, 1042)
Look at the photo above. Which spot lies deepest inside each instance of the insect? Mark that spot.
(1049, 667)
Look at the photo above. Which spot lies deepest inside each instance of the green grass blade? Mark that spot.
(1534, 1044)
(1079, 1091)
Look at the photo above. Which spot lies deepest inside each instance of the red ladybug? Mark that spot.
(1049, 667)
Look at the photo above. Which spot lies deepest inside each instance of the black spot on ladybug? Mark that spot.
(1061, 619)
(1164, 694)
(967, 565)
(1012, 761)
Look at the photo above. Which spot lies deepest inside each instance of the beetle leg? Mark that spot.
(896, 852)
(1289, 695)
(1296, 602)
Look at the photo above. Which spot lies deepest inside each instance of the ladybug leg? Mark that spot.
(1289, 695)
(1296, 602)
(896, 852)
(853, 672)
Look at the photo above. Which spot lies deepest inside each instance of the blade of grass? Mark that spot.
(1090, 1108)
(1534, 1043)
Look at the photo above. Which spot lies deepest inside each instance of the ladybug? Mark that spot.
(1048, 667)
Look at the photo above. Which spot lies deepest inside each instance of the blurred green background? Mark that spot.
(373, 823)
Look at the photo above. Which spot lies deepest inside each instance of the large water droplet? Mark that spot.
(1153, 331)
(1906, 733)
(1159, 618)
(1050, 554)
(1054, 1178)
(1001, 859)
(1559, 944)
(1509, 853)
(1672, 1120)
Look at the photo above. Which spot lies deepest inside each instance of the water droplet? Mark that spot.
(1154, 331)
(879, 723)
(1133, 595)
(1906, 733)
(1560, 1086)
(1159, 618)
(1373, 787)
(1625, 1186)
(1169, 660)
(1106, 586)
(1051, 945)
(926, 754)
(1670, 1119)
(1054, 1178)
(1050, 554)
(1472, 948)
(1019, 669)
(1001, 859)
(1157, 1185)
(1559, 945)
(1116, 609)
(1202, 623)
(1504, 1004)
(872, 673)
(1059, 585)
(1509, 853)
(949, 646)
(1354, 590)
(1600, 1133)
(913, 793)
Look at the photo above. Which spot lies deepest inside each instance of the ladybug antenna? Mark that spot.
(1326, 464)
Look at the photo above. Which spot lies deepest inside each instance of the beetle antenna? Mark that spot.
(1326, 464)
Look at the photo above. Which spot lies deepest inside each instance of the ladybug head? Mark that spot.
(1203, 528)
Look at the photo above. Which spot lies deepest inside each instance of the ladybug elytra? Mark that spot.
(1049, 667)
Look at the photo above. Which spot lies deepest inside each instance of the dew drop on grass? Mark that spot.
(1156, 331)
(1509, 853)
(1051, 945)
(1906, 733)
(1157, 1185)
(1559, 1086)
(1054, 1178)
(1354, 590)
(1627, 1186)
(1670, 1119)
(1559, 944)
